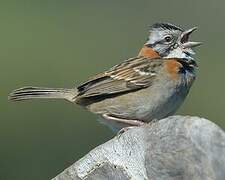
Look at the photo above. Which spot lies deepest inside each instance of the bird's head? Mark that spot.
(169, 41)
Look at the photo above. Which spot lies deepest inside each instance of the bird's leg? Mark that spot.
(128, 122)
(121, 131)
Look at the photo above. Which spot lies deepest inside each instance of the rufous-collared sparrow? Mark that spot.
(141, 89)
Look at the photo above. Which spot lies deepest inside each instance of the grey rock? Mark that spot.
(175, 148)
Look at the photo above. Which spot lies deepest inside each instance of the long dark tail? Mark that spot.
(26, 93)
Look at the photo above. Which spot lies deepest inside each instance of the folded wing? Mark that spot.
(130, 75)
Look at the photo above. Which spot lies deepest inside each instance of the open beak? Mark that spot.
(185, 37)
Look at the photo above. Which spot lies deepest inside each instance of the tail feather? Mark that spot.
(26, 93)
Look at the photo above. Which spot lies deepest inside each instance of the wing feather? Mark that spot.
(132, 74)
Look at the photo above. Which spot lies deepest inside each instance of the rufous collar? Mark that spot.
(148, 52)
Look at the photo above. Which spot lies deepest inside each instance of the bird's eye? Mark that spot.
(168, 39)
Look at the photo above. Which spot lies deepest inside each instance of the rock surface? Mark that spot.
(175, 148)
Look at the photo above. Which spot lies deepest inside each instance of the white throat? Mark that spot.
(179, 53)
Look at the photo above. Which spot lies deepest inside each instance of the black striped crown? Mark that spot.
(165, 26)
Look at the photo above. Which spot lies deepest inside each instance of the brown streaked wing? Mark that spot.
(130, 75)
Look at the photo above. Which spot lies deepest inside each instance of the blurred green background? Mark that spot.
(60, 44)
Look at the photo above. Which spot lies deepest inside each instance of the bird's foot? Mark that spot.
(123, 130)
